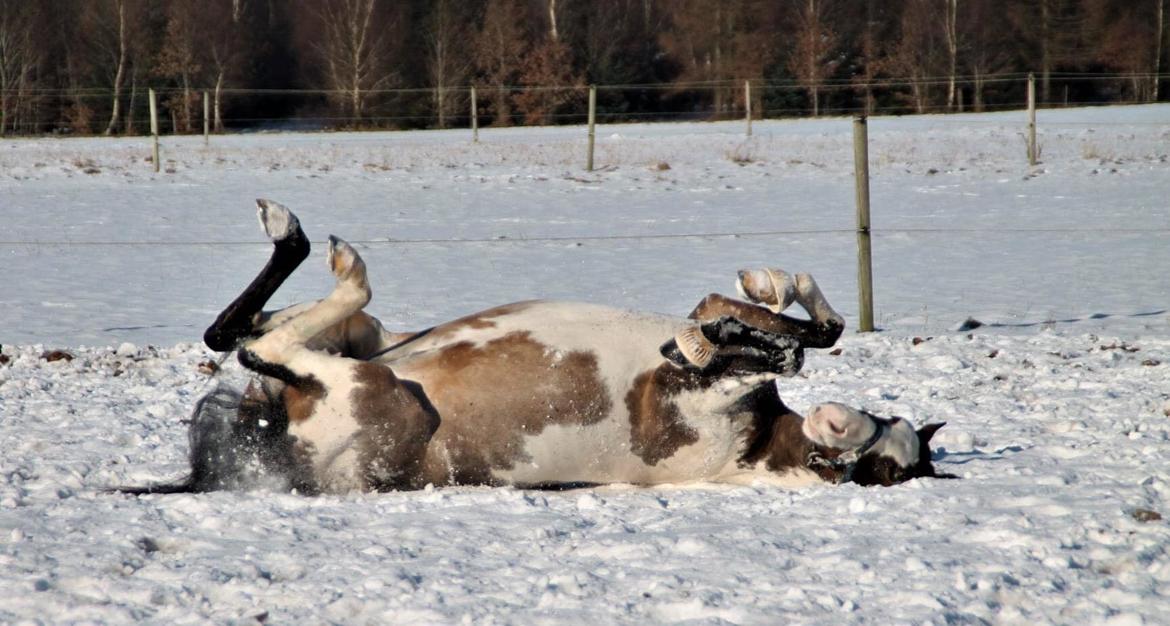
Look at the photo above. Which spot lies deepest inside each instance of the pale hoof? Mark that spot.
(772, 288)
(697, 349)
(344, 261)
(278, 222)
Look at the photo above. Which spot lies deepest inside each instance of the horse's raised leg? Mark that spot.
(289, 248)
(756, 338)
(354, 422)
(776, 290)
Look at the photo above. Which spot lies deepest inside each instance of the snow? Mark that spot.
(1058, 408)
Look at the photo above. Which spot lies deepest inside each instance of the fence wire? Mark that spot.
(413, 107)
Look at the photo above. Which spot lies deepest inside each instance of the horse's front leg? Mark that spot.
(740, 337)
(776, 290)
(290, 247)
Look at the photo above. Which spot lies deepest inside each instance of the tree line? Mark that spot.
(84, 66)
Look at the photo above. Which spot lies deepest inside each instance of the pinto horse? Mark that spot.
(531, 394)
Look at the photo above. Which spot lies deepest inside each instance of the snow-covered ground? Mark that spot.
(1057, 409)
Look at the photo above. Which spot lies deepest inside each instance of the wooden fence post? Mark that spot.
(1033, 155)
(747, 98)
(474, 117)
(864, 258)
(592, 120)
(206, 119)
(154, 130)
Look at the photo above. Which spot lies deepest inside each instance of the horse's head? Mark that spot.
(860, 447)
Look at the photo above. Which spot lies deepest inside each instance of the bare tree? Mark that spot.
(180, 56)
(915, 54)
(988, 38)
(548, 73)
(500, 45)
(950, 28)
(222, 25)
(813, 53)
(353, 51)
(1159, 37)
(107, 29)
(19, 57)
(447, 65)
(718, 41)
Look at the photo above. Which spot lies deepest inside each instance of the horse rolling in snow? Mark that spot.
(532, 394)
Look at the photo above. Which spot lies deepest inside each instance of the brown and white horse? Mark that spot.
(530, 394)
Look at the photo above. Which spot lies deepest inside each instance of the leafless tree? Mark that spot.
(915, 54)
(1159, 37)
(180, 56)
(950, 19)
(813, 52)
(353, 50)
(108, 28)
(987, 37)
(500, 45)
(447, 64)
(19, 57)
(717, 40)
(222, 25)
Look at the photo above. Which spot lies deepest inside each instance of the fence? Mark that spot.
(750, 92)
(34, 111)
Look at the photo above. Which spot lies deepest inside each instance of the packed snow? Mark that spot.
(1058, 406)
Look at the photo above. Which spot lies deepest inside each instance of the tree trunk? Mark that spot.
(1158, 36)
(977, 90)
(121, 68)
(186, 102)
(133, 96)
(951, 14)
(218, 99)
(1045, 52)
(552, 20)
(503, 111)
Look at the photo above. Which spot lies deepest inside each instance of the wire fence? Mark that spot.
(88, 110)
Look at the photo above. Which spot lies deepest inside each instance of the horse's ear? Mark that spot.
(928, 431)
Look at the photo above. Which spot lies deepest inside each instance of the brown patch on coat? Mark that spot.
(489, 398)
(395, 428)
(300, 399)
(657, 428)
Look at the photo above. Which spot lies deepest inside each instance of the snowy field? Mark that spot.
(1058, 408)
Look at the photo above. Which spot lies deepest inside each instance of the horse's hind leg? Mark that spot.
(354, 422)
(350, 294)
(289, 248)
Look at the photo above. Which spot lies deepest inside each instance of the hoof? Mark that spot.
(344, 261)
(772, 288)
(697, 349)
(278, 222)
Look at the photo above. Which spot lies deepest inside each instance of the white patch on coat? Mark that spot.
(329, 434)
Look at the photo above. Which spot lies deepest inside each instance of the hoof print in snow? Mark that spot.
(53, 356)
(1151, 362)
(1146, 515)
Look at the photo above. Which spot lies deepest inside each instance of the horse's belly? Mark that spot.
(602, 453)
